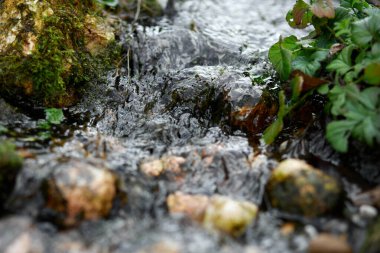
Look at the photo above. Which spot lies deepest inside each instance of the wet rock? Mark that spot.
(80, 191)
(20, 236)
(371, 197)
(162, 247)
(368, 212)
(298, 188)
(215, 213)
(10, 115)
(47, 49)
(10, 165)
(328, 243)
(229, 216)
(170, 164)
(372, 240)
(193, 206)
(67, 243)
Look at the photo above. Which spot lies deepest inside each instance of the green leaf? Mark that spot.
(372, 97)
(337, 96)
(342, 64)
(281, 58)
(276, 127)
(372, 74)
(337, 133)
(273, 131)
(365, 30)
(323, 89)
(291, 43)
(366, 131)
(359, 5)
(300, 16)
(343, 27)
(309, 63)
(296, 85)
(54, 116)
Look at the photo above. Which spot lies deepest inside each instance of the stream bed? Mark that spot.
(173, 97)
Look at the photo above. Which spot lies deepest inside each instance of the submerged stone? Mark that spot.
(193, 206)
(80, 191)
(48, 48)
(328, 243)
(20, 235)
(169, 164)
(215, 213)
(229, 216)
(296, 187)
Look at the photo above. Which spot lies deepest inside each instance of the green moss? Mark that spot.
(60, 64)
(10, 164)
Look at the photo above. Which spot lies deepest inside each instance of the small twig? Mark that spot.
(139, 2)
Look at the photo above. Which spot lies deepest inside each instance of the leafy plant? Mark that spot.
(340, 58)
(53, 117)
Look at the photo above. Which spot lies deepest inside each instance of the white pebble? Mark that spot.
(368, 212)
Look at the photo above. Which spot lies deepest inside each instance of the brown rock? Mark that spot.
(298, 188)
(162, 247)
(171, 164)
(152, 168)
(193, 206)
(229, 216)
(328, 243)
(81, 191)
(371, 197)
(215, 213)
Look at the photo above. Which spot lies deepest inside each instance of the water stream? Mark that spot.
(173, 96)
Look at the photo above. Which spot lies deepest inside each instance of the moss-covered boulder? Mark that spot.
(10, 164)
(296, 187)
(50, 48)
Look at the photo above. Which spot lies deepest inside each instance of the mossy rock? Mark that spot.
(50, 49)
(10, 165)
(296, 187)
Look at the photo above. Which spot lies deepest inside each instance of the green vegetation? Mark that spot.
(340, 58)
(51, 59)
(10, 164)
(53, 117)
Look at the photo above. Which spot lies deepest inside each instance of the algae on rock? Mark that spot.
(49, 49)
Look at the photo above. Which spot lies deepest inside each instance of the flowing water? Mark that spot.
(179, 83)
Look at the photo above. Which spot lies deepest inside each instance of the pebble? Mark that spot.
(329, 243)
(368, 212)
(81, 191)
